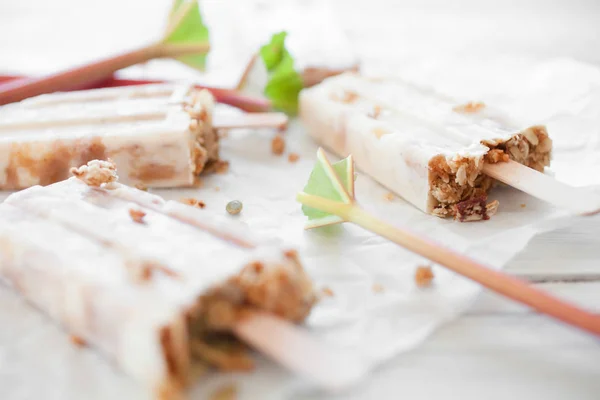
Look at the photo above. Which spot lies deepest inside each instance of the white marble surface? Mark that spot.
(497, 350)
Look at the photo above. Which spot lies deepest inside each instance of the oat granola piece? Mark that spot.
(278, 144)
(137, 215)
(175, 286)
(424, 276)
(96, 173)
(421, 148)
(157, 135)
(293, 157)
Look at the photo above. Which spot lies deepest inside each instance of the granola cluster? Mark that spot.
(284, 290)
(205, 149)
(458, 187)
(96, 173)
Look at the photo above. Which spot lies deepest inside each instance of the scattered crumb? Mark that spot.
(523, 205)
(141, 186)
(96, 172)
(78, 340)
(375, 113)
(378, 288)
(389, 196)
(217, 189)
(327, 292)
(190, 201)
(278, 145)
(471, 107)
(293, 157)
(424, 276)
(227, 392)
(137, 215)
(221, 166)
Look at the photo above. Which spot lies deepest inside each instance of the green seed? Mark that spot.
(234, 207)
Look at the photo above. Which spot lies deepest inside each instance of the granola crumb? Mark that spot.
(327, 292)
(227, 392)
(217, 189)
(78, 340)
(523, 205)
(389, 196)
(145, 271)
(470, 107)
(137, 215)
(496, 155)
(424, 276)
(278, 145)
(293, 157)
(96, 172)
(190, 201)
(141, 186)
(378, 288)
(221, 166)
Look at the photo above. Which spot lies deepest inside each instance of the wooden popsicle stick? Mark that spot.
(300, 352)
(255, 120)
(544, 187)
(497, 281)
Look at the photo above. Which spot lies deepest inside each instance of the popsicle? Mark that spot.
(424, 146)
(157, 286)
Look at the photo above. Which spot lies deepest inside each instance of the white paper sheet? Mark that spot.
(376, 325)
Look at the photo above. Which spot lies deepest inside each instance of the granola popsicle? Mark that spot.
(158, 135)
(424, 146)
(155, 285)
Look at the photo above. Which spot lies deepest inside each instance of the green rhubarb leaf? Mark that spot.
(330, 181)
(186, 27)
(284, 82)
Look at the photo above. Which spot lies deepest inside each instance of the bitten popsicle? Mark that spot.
(155, 285)
(158, 135)
(424, 146)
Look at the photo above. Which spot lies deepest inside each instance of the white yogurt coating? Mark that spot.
(69, 249)
(137, 127)
(412, 126)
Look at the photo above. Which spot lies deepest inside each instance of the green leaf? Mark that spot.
(186, 27)
(323, 184)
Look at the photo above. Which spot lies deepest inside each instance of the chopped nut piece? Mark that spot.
(327, 292)
(475, 209)
(137, 215)
(471, 107)
(378, 288)
(228, 392)
(496, 155)
(78, 340)
(141, 186)
(424, 276)
(293, 157)
(96, 172)
(523, 205)
(190, 201)
(389, 196)
(278, 145)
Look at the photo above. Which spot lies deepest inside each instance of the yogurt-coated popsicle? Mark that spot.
(158, 135)
(424, 146)
(154, 285)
